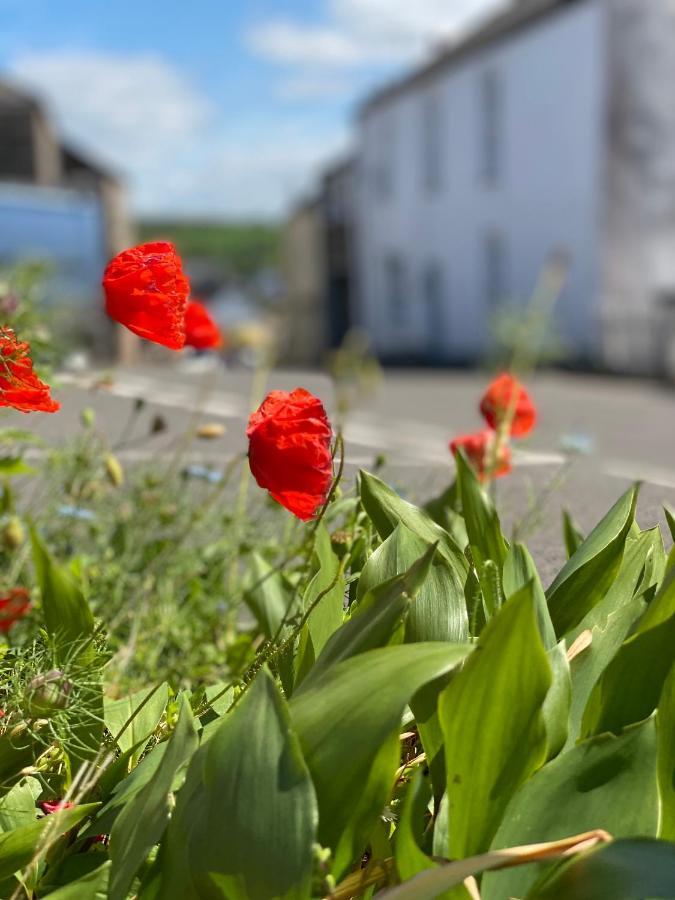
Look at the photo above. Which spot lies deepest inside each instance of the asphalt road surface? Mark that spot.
(595, 435)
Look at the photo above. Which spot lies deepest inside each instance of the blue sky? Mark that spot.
(219, 108)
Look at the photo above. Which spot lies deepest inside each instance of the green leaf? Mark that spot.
(386, 509)
(142, 821)
(665, 731)
(483, 528)
(270, 597)
(18, 847)
(66, 612)
(357, 704)
(11, 466)
(605, 628)
(439, 611)
(250, 774)
(571, 533)
(17, 807)
(588, 574)
(410, 858)
(328, 615)
(556, 709)
(520, 570)
(629, 688)
(92, 886)
(375, 619)
(491, 716)
(607, 782)
(622, 870)
(662, 606)
(138, 716)
(670, 519)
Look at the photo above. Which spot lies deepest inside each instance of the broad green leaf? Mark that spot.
(629, 689)
(665, 732)
(92, 886)
(491, 716)
(439, 611)
(131, 720)
(328, 614)
(588, 574)
(519, 570)
(621, 870)
(18, 847)
(444, 510)
(17, 807)
(571, 533)
(375, 619)
(607, 782)
(662, 607)
(142, 821)
(251, 774)
(410, 858)
(386, 509)
(357, 704)
(269, 597)
(556, 709)
(66, 612)
(483, 528)
(605, 628)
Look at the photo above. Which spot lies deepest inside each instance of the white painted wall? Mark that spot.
(552, 78)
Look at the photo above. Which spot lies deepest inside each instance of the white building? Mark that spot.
(549, 129)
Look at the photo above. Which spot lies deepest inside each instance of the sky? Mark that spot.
(223, 109)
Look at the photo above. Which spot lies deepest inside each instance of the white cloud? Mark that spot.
(311, 85)
(360, 32)
(143, 117)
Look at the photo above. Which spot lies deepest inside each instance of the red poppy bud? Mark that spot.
(51, 806)
(13, 606)
(477, 449)
(20, 387)
(506, 395)
(146, 291)
(289, 450)
(201, 331)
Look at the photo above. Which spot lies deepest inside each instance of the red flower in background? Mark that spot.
(20, 387)
(13, 606)
(201, 331)
(51, 806)
(289, 450)
(477, 449)
(506, 393)
(146, 291)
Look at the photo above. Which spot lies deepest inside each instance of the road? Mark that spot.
(620, 431)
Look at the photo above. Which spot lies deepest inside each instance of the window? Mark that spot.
(384, 158)
(494, 267)
(396, 291)
(431, 133)
(433, 292)
(491, 102)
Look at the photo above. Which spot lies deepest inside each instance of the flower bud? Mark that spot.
(48, 693)
(13, 534)
(88, 417)
(114, 470)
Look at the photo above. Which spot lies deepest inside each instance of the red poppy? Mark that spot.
(201, 331)
(13, 606)
(146, 290)
(477, 449)
(51, 806)
(506, 396)
(289, 450)
(20, 387)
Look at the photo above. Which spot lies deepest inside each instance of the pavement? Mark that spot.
(594, 437)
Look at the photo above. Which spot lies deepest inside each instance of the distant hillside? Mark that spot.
(242, 249)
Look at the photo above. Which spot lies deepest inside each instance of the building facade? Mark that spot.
(549, 130)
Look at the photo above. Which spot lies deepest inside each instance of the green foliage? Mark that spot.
(385, 700)
(241, 249)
